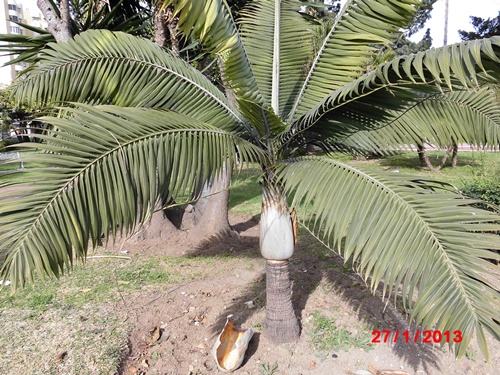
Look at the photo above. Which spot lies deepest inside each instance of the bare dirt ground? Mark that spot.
(174, 331)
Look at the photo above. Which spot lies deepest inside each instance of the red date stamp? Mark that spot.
(425, 336)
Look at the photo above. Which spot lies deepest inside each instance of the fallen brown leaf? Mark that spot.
(374, 371)
(60, 357)
(155, 333)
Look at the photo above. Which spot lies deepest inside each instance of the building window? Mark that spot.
(15, 30)
(13, 7)
(14, 18)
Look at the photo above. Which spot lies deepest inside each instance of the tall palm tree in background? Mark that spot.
(154, 129)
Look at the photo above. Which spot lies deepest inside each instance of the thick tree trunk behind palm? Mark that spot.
(58, 23)
(277, 246)
(208, 216)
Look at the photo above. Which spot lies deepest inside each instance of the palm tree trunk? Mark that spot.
(422, 155)
(444, 159)
(424, 159)
(281, 325)
(58, 24)
(277, 246)
(454, 158)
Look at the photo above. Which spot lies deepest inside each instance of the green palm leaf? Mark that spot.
(381, 96)
(414, 234)
(126, 16)
(211, 22)
(471, 117)
(351, 44)
(102, 67)
(279, 43)
(105, 169)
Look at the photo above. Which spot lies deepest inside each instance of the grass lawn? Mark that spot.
(471, 164)
(74, 313)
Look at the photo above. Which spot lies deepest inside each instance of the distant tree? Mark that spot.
(484, 28)
(404, 46)
(423, 15)
(18, 116)
(130, 16)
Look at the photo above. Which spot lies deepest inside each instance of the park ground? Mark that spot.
(157, 307)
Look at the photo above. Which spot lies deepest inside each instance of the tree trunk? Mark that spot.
(277, 246)
(172, 30)
(444, 159)
(454, 157)
(165, 29)
(425, 161)
(159, 27)
(59, 27)
(422, 156)
(209, 215)
(280, 325)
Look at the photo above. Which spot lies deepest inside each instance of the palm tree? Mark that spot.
(158, 128)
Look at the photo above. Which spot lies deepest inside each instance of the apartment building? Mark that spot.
(14, 10)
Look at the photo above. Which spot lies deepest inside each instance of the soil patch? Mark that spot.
(175, 329)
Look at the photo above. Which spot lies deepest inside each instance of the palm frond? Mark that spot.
(24, 48)
(211, 22)
(471, 117)
(379, 97)
(351, 44)
(102, 67)
(279, 43)
(126, 16)
(412, 234)
(104, 170)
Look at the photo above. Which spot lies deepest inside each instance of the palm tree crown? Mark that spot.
(157, 128)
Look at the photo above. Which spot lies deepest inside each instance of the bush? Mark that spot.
(486, 189)
(2, 146)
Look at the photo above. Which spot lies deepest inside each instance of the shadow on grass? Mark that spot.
(308, 268)
(410, 160)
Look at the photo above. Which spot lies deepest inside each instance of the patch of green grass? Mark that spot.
(471, 354)
(40, 301)
(10, 170)
(98, 280)
(327, 335)
(470, 164)
(258, 326)
(92, 339)
(268, 369)
(246, 194)
(75, 313)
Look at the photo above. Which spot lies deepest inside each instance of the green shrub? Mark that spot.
(486, 189)
(2, 146)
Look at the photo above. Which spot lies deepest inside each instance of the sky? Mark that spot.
(459, 12)
(458, 18)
